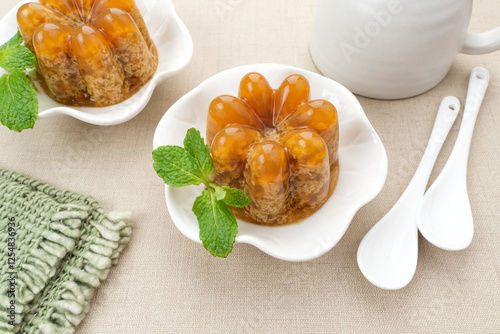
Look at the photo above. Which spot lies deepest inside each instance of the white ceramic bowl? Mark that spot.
(363, 165)
(175, 50)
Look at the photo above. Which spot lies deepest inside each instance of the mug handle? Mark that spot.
(481, 43)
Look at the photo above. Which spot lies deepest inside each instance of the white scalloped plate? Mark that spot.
(175, 50)
(363, 165)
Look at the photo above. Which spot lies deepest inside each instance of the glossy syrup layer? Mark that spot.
(277, 146)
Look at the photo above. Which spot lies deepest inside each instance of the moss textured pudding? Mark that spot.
(90, 53)
(277, 146)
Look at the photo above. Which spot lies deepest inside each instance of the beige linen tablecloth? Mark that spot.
(165, 283)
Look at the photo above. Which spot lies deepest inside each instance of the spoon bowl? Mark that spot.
(445, 216)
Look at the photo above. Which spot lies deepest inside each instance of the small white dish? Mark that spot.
(175, 50)
(363, 165)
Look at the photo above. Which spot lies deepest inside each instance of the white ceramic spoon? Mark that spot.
(445, 216)
(387, 255)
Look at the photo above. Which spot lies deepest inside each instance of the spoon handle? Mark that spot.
(478, 83)
(447, 114)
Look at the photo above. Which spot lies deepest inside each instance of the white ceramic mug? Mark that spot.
(392, 49)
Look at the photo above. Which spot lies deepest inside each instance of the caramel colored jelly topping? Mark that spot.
(90, 52)
(277, 146)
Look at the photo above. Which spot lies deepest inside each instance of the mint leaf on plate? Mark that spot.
(18, 101)
(17, 57)
(17, 39)
(220, 193)
(233, 197)
(195, 145)
(218, 226)
(176, 166)
(193, 165)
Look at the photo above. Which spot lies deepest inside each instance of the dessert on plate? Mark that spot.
(277, 146)
(90, 52)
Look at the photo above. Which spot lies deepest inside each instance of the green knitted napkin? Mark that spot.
(57, 247)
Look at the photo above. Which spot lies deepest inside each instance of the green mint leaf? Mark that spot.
(220, 193)
(18, 102)
(195, 145)
(17, 57)
(176, 166)
(193, 165)
(218, 226)
(233, 197)
(15, 40)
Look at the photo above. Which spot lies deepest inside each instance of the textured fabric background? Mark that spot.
(165, 283)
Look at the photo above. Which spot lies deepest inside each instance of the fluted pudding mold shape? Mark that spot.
(362, 157)
(175, 50)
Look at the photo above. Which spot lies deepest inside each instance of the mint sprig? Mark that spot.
(18, 101)
(192, 165)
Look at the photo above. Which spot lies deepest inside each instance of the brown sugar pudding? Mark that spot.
(277, 146)
(90, 52)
